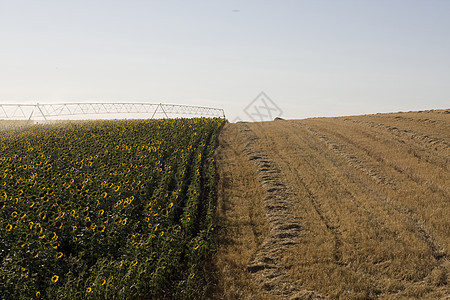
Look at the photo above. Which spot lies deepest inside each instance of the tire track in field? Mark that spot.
(436, 251)
(426, 121)
(285, 228)
(376, 175)
(410, 134)
(334, 230)
(350, 158)
(444, 162)
(408, 138)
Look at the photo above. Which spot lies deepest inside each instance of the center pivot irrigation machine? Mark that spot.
(47, 112)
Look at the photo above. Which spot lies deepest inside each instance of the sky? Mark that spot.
(309, 58)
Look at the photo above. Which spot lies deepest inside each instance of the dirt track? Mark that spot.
(354, 207)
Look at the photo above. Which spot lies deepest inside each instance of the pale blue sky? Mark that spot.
(313, 58)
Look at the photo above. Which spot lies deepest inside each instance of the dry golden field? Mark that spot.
(350, 208)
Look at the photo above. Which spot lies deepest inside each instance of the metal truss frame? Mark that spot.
(31, 111)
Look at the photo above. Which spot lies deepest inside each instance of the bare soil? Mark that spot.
(335, 208)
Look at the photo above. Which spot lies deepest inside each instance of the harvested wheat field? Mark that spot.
(350, 208)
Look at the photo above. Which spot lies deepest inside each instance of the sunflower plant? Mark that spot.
(116, 209)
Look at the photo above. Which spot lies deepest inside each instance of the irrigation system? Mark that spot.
(54, 111)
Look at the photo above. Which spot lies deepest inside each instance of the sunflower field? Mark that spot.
(111, 209)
